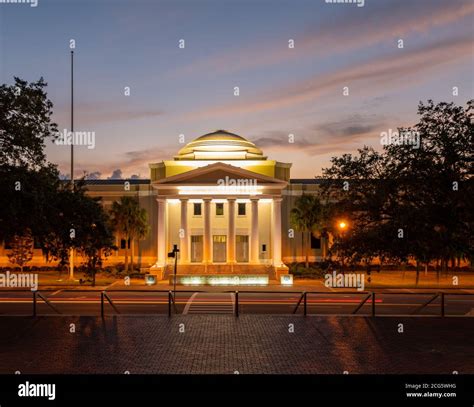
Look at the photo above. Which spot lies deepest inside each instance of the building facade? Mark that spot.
(222, 202)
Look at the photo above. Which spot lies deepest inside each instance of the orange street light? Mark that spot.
(342, 225)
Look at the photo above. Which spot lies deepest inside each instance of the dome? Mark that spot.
(220, 145)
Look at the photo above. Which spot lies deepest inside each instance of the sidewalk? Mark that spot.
(225, 344)
(379, 281)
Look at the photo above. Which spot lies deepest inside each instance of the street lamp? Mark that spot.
(342, 225)
(174, 254)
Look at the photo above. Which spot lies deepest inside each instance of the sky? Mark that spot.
(244, 44)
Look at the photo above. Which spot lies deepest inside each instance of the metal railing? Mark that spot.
(302, 299)
(37, 294)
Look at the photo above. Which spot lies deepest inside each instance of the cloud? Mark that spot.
(326, 137)
(349, 30)
(376, 76)
(93, 175)
(132, 163)
(105, 112)
(116, 174)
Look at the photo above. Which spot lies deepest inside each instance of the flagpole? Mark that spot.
(72, 119)
(71, 253)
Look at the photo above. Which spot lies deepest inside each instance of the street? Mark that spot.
(128, 302)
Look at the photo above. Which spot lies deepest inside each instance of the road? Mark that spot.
(64, 302)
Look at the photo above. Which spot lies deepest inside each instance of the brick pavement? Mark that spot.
(224, 344)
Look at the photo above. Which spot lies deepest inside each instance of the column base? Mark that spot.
(158, 271)
(280, 270)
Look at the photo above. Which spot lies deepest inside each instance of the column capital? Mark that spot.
(161, 199)
(231, 199)
(184, 199)
(207, 199)
(277, 199)
(254, 199)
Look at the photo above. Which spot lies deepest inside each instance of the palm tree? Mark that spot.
(306, 217)
(131, 223)
(138, 230)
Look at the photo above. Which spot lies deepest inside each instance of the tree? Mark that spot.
(139, 229)
(130, 221)
(410, 202)
(306, 217)
(34, 200)
(95, 238)
(25, 124)
(27, 181)
(22, 249)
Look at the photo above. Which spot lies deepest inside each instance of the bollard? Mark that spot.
(169, 303)
(304, 304)
(373, 304)
(236, 303)
(102, 304)
(34, 303)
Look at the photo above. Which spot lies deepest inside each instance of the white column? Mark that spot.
(276, 213)
(183, 233)
(231, 231)
(254, 248)
(161, 233)
(207, 231)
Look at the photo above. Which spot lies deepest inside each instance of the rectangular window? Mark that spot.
(264, 248)
(197, 209)
(241, 209)
(315, 243)
(122, 243)
(219, 209)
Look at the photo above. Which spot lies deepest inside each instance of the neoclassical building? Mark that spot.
(223, 203)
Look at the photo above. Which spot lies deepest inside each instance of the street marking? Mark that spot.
(221, 305)
(188, 304)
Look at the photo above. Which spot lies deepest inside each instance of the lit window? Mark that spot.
(219, 209)
(241, 209)
(197, 209)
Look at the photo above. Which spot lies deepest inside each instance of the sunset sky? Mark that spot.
(242, 43)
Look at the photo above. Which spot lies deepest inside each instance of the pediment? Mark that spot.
(211, 174)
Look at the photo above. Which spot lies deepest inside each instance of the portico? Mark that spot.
(223, 217)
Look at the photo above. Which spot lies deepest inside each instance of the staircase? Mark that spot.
(210, 303)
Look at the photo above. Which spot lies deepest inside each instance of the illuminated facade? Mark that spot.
(222, 202)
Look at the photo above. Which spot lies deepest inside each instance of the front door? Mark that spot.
(242, 249)
(196, 249)
(219, 248)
